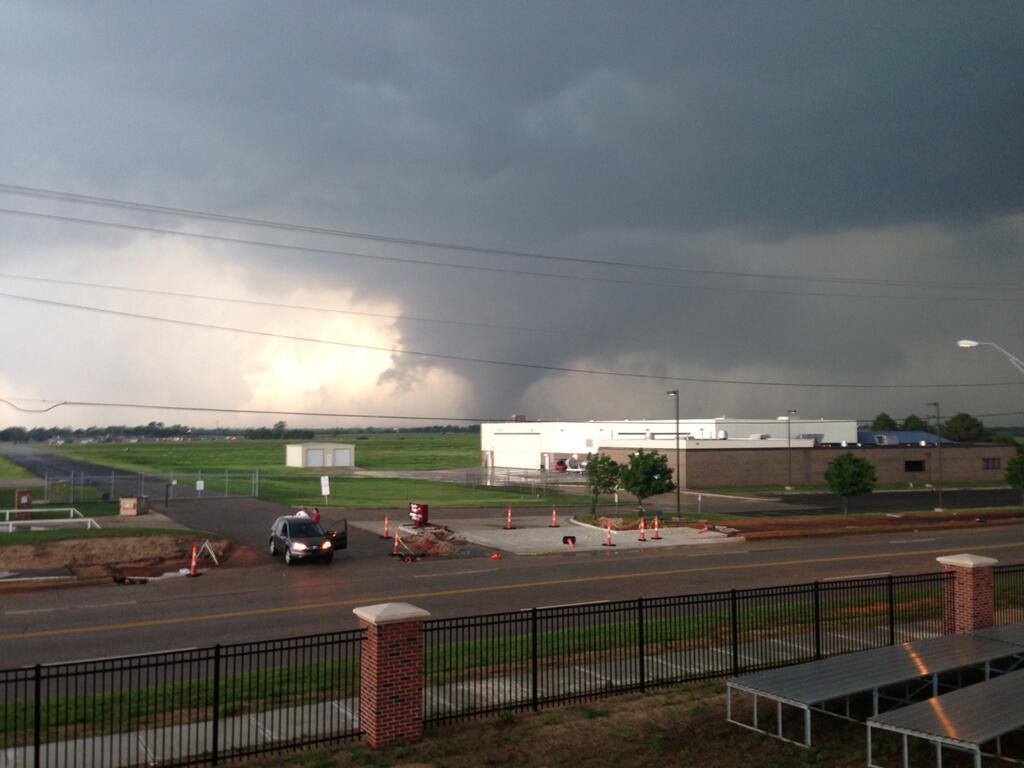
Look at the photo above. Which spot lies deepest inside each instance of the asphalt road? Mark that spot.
(270, 600)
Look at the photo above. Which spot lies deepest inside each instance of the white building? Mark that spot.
(320, 455)
(539, 444)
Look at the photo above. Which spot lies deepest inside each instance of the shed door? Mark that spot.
(342, 457)
(517, 451)
(314, 457)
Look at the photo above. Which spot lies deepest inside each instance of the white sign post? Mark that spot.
(200, 486)
(325, 487)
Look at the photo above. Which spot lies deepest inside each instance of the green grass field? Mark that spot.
(11, 471)
(394, 493)
(412, 450)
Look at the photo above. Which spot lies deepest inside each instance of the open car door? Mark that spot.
(337, 532)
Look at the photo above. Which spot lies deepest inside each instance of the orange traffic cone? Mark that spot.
(643, 531)
(394, 548)
(657, 530)
(608, 536)
(387, 532)
(508, 519)
(195, 559)
(554, 517)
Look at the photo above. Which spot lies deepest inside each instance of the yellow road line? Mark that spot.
(143, 623)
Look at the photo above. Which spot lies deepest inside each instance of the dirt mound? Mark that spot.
(122, 555)
(433, 542)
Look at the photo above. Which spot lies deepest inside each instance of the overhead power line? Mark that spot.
(476, 325)
(51, 194)
(486, 269)
(242, 411)
(54, 404)
(489, 361)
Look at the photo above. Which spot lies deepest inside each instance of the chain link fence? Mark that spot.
(81, 487)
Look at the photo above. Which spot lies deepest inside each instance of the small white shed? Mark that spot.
(320, 455)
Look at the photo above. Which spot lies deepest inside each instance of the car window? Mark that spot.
(284, 529)
(302, 529)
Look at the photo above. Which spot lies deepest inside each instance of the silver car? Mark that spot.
(300, 538)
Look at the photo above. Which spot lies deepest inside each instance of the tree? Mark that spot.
(1003, 438)
(914, 423)
(279, 428)
(646, 475)
(850, 475)
(964, 428)
(602, 477)
(1015, 473)
(884, 423)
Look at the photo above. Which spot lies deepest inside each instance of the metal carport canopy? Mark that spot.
(969, 717)
(1011, 633)
(847, 675)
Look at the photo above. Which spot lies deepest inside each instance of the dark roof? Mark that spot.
(900, 437)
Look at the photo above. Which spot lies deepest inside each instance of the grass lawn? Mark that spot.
(35, 537)
(413, 450)
(392, 493)
(822, 488)
(11, 471)
(679, 726)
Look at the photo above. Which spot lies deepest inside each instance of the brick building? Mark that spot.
(708, 464)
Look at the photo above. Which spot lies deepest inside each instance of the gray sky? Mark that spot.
(871, 140)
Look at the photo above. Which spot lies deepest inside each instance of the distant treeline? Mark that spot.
(157, 429)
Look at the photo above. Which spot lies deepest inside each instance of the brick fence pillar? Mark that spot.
(391, 672)
(969, 599)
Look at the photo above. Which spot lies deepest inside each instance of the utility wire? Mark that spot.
(492, 270)
(35, 192)
(244, 411)
(561, 332)
(54, 404)
(489, 361)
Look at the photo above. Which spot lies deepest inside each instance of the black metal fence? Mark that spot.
(517, 660)
(182, 708)
(1008, 589)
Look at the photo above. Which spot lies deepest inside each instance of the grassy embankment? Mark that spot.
(287, 485)
(11, 471)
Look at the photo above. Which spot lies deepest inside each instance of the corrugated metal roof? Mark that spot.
(849, 674)
(972, 715)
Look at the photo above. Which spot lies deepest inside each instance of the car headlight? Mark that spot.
(298, 546)
(325, 545)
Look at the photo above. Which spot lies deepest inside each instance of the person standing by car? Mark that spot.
(315, 515)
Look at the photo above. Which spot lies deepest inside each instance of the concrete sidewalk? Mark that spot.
(532, 536)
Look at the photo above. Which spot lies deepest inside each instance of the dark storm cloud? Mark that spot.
(870, 139)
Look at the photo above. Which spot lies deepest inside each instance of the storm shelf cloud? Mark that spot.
(873, 145)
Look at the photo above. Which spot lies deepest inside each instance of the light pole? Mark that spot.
(1015, 361)
(674, 394)
(789, 448)
(938, 430)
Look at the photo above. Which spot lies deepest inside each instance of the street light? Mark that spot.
(789, 448)
(674, 393)
(938, 429)
(971, 344)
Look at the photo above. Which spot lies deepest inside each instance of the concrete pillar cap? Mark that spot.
(967, 561)
(390, 613)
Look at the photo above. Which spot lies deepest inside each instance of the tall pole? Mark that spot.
(789, 448)
(674, 393)
(938, 450)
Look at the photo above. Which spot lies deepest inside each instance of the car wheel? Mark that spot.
(288, 557)
(273, 548)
